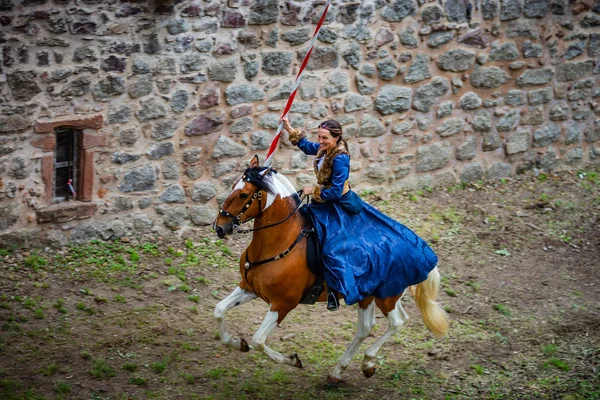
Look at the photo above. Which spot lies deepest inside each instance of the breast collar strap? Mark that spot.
(237, 220)
(281, 255)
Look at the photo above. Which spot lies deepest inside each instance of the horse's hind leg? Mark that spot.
(272, 319)
(366, 322)
(392, 309)
(236, 298)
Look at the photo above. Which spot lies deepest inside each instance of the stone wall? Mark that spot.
(175, 98)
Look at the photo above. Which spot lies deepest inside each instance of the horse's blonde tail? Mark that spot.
(425, 294)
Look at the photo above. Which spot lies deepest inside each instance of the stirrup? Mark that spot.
(332, 302)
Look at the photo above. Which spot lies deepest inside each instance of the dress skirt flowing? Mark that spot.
(368, 254)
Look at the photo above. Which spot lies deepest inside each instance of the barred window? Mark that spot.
(66, 158)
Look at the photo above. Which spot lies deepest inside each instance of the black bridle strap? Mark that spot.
(279, 256)
(238, 219)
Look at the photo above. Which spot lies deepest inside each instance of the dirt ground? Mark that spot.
(133, 319)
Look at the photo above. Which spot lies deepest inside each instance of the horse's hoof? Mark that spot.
(244, 345)
(296, 361)
(369, 372)
(333, 381)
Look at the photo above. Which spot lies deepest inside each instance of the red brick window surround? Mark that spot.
(86, 128)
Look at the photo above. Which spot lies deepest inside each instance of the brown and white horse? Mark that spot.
(274, 268)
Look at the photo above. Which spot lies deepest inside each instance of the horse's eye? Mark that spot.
(244, 195)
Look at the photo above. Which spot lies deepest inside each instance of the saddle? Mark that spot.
(315, 264)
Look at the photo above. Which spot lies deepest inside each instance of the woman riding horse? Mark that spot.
(365, 253)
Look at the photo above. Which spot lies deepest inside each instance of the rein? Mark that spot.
(244, 231)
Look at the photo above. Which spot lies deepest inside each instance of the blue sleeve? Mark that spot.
(339, 175)
(308, 147)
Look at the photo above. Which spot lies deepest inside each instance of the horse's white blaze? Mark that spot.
(281, 187)
(235, 298)
(366, 322)
(238, 186)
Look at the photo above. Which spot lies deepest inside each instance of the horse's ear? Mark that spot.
(254, 161)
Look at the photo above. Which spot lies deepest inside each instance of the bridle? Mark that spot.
(258, 195)
(237, 220)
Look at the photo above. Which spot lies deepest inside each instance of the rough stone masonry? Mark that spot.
(174, 98)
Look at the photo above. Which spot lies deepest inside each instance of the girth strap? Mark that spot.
(249, 264)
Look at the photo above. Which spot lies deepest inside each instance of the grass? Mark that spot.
(558, 363)
(131, 367)
(120, 299)
(158, 366)
(502, 309)
(60, 306)
(477, 368)
(101, 369)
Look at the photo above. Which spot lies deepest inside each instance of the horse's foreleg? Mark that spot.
(396, 317)
(236, 298)
(366, 322)
(259, 339)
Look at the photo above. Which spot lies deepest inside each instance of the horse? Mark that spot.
(274, 268)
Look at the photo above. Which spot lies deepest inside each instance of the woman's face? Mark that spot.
(326, 140)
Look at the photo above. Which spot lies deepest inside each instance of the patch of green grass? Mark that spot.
(477, 368)
(558, 363)
(120, 299)
(35, 262)
(85, 355)
(542, 177)
(150, 248)
(451, 292)
(549, 349)
(502, 309)
(184, 288)
(158, 366)
(216, 373)
(188, 378)
(138, 381)
(101, 369)
(279, 376)
(50, 370)
(38, 313)
(30, 303)
(99, 299)
(202, 280)
(4, 252)
(60, 306)
(474, 285)
(189, 347)
(62, 387)
(168, 261)
(131, 367)
(194, 297)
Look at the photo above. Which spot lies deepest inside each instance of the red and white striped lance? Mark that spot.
(290, 100)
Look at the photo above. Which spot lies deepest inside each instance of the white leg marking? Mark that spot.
(397, 318)
(260, 337)
(235, 298)
(366, 322)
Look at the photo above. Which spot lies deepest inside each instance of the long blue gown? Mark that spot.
(367, 254)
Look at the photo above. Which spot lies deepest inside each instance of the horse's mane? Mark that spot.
(263, 180)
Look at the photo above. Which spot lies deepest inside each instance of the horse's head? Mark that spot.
(253, 193)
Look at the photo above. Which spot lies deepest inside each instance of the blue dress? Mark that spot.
(365, 254)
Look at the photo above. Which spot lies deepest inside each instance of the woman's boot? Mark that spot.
(332, 301)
